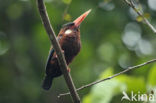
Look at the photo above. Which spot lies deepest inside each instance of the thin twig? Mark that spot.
(111, 77)
(131, 4)
(57, 48)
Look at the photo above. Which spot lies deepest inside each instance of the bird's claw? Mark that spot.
(68, 69)
(56, 56)
(61, 51)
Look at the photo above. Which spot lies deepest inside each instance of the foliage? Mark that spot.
(110, 35)
(105, 91)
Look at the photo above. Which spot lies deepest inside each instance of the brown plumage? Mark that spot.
(69, 40)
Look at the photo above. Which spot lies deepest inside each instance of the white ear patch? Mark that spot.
(68, 31)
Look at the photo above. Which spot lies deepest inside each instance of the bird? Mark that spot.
(69, 40)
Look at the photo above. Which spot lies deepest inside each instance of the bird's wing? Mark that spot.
(51, 53)
(50, 56)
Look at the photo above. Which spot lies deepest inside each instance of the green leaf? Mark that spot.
(140, 18)
(146, 15)
(152, 76)
(87, 99)
(108, 72)
(134, 84)
(67, 1)
(104, 91)
(67, 17)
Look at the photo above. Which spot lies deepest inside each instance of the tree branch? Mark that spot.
(131, 4)
(57, 48)
(111, 77)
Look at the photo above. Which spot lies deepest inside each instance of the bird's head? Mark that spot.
(74, 26)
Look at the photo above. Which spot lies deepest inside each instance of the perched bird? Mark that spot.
(69, 40)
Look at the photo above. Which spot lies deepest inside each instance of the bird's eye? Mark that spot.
(68, 31)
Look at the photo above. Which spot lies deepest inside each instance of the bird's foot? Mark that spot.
(61, 51)
(68, 69)
(55, 56)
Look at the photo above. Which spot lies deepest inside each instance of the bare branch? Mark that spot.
(131, 4)
(56, 46)
(111, 77)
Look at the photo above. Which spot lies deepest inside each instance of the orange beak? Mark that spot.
(79, 20)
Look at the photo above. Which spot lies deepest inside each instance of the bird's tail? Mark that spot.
(47, 82)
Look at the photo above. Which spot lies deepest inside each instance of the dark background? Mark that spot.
(111, 37)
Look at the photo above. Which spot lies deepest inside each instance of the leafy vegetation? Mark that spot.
(112, 39)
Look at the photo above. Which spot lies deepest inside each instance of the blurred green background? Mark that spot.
(111, 37)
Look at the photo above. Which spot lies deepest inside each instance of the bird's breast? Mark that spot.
(71, 46)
